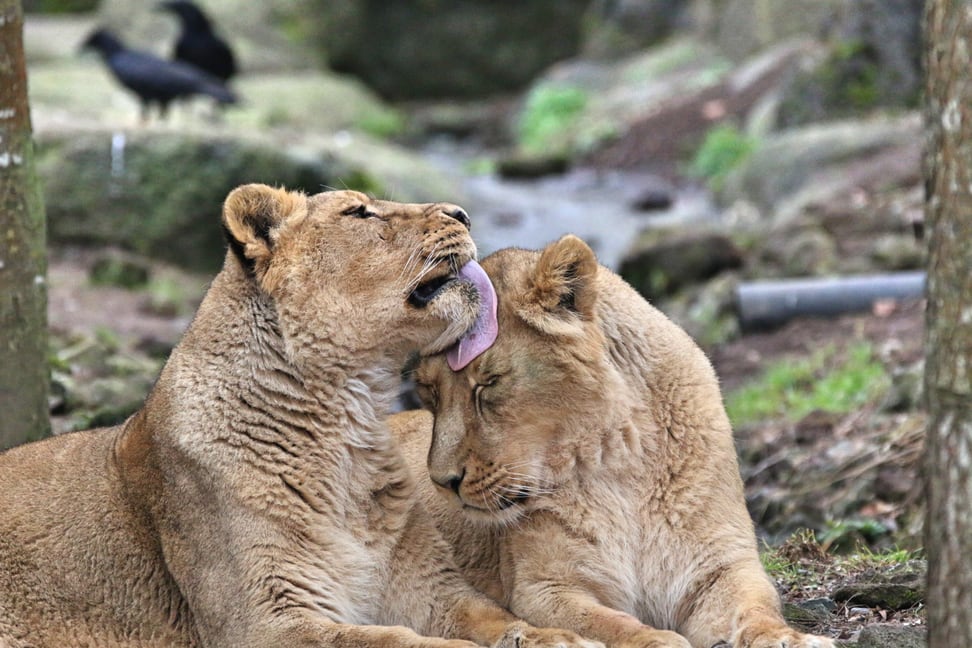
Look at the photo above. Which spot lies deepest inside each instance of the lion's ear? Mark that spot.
(251, 213)
(562, 290)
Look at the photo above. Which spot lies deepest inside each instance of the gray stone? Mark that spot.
(158, 194)
(892, 636)
(114, 269)
(666, 260)
(618, 27)
(873, 59)
(743, 27)
(792, 169)
(898, 252)
(895, 589)
(463, 48)
(622, 93)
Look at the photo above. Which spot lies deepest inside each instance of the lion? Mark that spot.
(583, 467)
(257, 498)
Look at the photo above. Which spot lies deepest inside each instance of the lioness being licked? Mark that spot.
(257, 499)
(585, 466)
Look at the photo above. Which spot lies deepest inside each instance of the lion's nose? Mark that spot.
(450, 481)
(458, 213)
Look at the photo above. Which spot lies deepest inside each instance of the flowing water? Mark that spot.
(596, 205)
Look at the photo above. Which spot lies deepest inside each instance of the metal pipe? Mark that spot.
(766, 304)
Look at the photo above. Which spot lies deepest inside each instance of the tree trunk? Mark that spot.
(24, 375)
(948, 344)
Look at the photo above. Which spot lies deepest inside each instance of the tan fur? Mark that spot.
(586, 469)
(257, 499)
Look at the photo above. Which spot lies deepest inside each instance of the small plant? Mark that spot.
(864, 556)
(167, 297)
(724, 148)
(550, 111)
(382, 123)
(846, 535)
(791, 389)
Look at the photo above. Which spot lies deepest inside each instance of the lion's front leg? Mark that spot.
(495, 626)
(564, 606)
(428, 593)
(741, 606)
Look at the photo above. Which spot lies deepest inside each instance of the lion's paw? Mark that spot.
(525, 636)
(785, 638)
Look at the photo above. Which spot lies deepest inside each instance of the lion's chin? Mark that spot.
(458, 305)
(493, 516)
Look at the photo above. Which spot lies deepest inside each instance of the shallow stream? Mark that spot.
(596, 205)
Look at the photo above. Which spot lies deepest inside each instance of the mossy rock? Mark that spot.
(409, 49)
(158, 193)
(896, 589)
(120, 270)
(664, 261)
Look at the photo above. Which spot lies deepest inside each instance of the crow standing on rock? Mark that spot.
(197, 44)
(155, 80)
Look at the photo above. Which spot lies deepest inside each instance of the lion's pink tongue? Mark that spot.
(482, 334)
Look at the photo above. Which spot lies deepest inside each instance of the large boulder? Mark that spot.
(155, 192)
(159, 192)
(871, 55)
(433, 48)
(663, 261)
(578, 107)
(872, 59)
(651, 109)
(613, 28)
(792, 169)
(741, 28)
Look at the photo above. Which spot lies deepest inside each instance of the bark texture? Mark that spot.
(24, 374)
(948, 369)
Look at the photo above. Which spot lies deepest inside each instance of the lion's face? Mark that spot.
(369, 277)
(509, 428)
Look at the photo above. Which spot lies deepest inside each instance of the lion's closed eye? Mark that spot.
(359, 211)
(478, 392)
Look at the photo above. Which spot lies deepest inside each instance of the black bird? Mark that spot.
(154, 80)
(197, 44)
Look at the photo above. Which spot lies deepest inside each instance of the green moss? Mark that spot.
(382, 123)
(851, 74)
(115, 271)
(791, 389)
(550, 111)
(163, 195)
(59, 6)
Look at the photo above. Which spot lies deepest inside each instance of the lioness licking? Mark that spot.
(257, 498)
(584, 466)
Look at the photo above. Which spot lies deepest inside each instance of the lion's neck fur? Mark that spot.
(234, 370)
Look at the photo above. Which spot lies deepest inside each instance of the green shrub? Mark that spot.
(549, 112)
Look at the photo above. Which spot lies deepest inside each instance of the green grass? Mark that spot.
(550, 111)
(791, 389)
(724, 148)
(804, 559)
